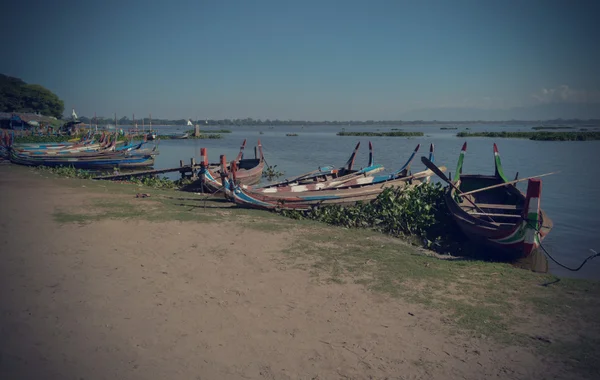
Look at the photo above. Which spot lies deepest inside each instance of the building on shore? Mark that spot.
(21, 120)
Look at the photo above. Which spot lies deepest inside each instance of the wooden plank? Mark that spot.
(497, 206)
(495, 215)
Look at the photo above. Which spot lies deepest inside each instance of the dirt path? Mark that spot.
(132, 299)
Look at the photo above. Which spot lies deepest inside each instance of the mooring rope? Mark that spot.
(595, 254)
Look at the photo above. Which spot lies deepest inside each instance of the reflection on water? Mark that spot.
(536, 262)
(570, 197)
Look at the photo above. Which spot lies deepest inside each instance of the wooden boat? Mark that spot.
(249, 172)
(502, 218)
(106, 161)
(123, 161)
(323, 178)
(105, 144)
(351, 179)
(84, 143)
(315, 198)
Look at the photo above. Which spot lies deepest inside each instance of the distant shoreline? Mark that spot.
(281, 123)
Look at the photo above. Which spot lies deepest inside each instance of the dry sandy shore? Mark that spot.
(133, 299)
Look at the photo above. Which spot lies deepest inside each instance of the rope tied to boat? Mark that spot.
(595, 254)
(590, 257)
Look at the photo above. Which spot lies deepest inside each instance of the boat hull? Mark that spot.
(506, 237)
(310, 199)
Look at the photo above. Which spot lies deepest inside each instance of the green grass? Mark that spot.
(478, 298)
(191, 131)
(202, 136)
(542, 127)
(386, 134)
(539, 136)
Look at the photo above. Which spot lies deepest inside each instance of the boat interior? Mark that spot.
(248, 163)
(500, 206)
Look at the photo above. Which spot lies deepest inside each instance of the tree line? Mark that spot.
(276, 122)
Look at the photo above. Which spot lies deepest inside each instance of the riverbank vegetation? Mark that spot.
(380, 134)
(191, 136)
(417, 214)
(154, 182)
(539, 136)
(547, 127)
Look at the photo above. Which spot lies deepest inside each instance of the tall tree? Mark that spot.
(18, 96)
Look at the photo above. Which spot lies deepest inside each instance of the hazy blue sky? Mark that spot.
(303, 59)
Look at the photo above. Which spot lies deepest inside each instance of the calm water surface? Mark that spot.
(571, 198)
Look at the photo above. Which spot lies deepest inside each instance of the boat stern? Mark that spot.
(531, 216)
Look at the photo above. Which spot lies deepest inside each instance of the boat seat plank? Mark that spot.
(497, 206)
(495, 215)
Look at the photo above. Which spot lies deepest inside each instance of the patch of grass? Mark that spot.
(478, 298)
(191, 131)
(157, 208)
(380, 134)
(543, 127)
(539, 136)
(65, 217)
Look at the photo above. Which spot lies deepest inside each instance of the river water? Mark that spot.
(571, 198)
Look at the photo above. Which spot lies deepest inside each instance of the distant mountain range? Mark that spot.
(548, 111)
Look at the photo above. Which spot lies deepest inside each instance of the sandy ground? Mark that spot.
(139, 300)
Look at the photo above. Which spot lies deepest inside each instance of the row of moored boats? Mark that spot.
(87, 153)
(489, 209)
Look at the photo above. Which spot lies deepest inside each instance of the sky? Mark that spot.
(309, 60)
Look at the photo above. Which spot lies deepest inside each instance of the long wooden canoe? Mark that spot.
(103, 162)
(505, 219)
(314, 198)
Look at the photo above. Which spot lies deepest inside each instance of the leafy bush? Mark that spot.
(270, 172)
(418, 212)
(68, 171)
(154, 182)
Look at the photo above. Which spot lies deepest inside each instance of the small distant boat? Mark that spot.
(189, 123)
(151, 136)
(182, 137)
